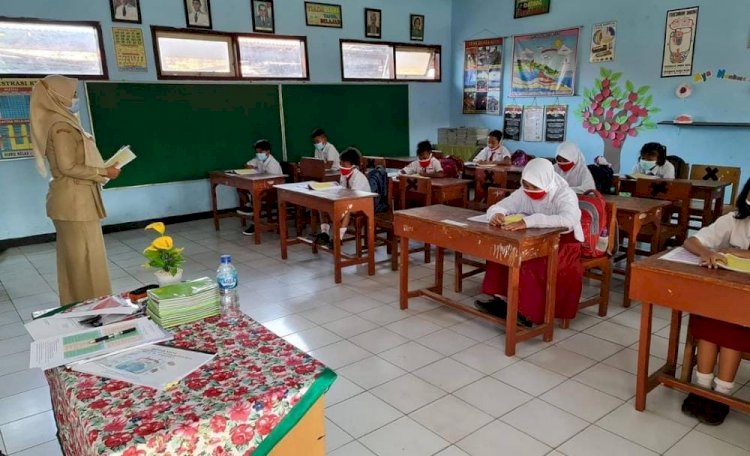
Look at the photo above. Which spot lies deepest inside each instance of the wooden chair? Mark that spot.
(681, 168)
(312, 169)
(718, 174)
(688, 357)
(679, 194)
(484, 179)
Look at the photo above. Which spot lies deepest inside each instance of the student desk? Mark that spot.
(256, 184)
(259, 392)
(399, 162)
(719, 294)
(448, 228)
(514, 173)
(335, 202)
(633, 214)
(445, 190)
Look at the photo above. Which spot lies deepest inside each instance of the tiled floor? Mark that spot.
(426, 381)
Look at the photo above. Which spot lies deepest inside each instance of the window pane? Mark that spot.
(272, 58)
(367, 61)
(417, 63)
(30, 48)
(195, 55)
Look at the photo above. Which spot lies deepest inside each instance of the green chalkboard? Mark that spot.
(182, 131)
(373, 118)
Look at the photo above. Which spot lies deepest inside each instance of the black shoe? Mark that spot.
(712, 413)
(692, 405)
(250, 230)
(245, 211)
(523, 321)
(323, 239)
(496, 307)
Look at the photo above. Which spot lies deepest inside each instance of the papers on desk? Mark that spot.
(485, 218)
(106, 305)
(735, 263)
(243, 171)
(681, 255)
(121, 158)
(323, 185)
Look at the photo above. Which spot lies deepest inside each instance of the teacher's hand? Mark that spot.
(112, 172)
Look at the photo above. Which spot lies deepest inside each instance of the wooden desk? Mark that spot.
(256, 184)
(335, 202)
(719, 294)
(633, 214)
(398, 162)
(514, 173)
(445, 190)
(510, 248)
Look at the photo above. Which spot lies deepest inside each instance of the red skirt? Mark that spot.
(721, 333)
(533, 282)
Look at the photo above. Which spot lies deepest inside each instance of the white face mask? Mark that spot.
(319, 146)
(75, 105)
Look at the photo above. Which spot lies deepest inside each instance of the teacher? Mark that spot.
(74, 199)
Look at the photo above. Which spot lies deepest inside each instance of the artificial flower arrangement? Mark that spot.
(162, 254)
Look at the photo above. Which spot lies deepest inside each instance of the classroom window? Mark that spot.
(417, 63)
(36, 48)
(365, 60)
(194, 55)
(273, 58)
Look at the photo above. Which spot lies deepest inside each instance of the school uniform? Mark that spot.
(665, 171)
(492, 155)
(725, 232)
(126, 12)
(559, 208)
(356, 180)
(415, 167)
(269, 166)
(199, 18)
(579, 177)
(329, 154)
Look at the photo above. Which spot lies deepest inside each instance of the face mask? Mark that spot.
(426, 162)
(567, 166)
(535, 194)
(261, 156)
(647, 165)
(319, 146)
(346, 171)
(74, 105)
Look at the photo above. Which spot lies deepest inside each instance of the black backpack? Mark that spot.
(378, 178)
(603, 178)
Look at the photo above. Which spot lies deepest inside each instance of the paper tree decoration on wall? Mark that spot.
(614, 113)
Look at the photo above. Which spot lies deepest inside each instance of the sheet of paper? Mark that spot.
(44, 328)
(245, 171)
(454, 222)
(483, 218)
(122, 157)
(681, 255)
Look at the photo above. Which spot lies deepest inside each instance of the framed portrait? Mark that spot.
(323, 15)
(526, 8)
(416, 27)
(373, 25)
(198, 13)
(262, 16)
(126, 11)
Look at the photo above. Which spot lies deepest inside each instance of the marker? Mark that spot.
(112, 336)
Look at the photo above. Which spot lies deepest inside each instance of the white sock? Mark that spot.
(342, 231)
(325, 228)
(723, 387)
(704, 380)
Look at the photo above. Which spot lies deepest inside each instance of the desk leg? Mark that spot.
(674, 341)
(371, 243)
(214, 206)
(632, 243)
(335, 225)
(465, 196)
(644, 351)
(403, 289)
(549, 311)
(257, 208)
(283, 228)
(439, 256)
(511, 320)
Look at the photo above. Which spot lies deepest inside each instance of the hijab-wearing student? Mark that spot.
(730, 234)
(545, 201)
(263, 162)
(571, 165)
(653, 161)
(426, 164)
(324, 150)
(495, 152)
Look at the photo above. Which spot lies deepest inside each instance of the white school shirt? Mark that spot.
(579, 178)
(329, 154)
(269, 166)
(131, 13)
(202, 18)
(665, 171)
(500, 154)
(432, 168)
(355, 181)
(726, 231)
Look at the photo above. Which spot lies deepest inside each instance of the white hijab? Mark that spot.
(579, 178)
(540, 173)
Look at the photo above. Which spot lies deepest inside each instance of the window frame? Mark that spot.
(394, 45)
(269, 36)
(84, 77)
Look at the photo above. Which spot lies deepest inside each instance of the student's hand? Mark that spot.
(515, 226)
(112, 172)
(497, 220)
(712, 260)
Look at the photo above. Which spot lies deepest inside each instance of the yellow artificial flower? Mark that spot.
(163, 243)
(156, 226)
(150, 248)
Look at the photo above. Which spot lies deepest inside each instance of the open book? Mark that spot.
(121, 158)
(484, 218)
(735, 263)
(322, 185)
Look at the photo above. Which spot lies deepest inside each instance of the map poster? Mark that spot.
(555, 120)
(130, 51)
(512, 115)
(483, 76)
(679, 42)
(603, 42)
(544, 64)
(15, 126)
(533, 123)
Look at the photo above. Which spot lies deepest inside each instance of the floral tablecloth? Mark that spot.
(243, 402)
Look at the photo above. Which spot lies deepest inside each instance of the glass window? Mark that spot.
(195, 54)
(273, 58)
(421, 63)
(367, 61)
(42, 48)
(364, 60)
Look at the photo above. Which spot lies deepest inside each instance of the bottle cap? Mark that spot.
(226, 259)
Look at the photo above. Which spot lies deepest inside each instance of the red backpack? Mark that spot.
(594, 223)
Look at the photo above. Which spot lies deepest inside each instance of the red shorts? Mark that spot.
(721, 333)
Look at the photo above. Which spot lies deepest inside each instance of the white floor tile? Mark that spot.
(627, 360)
(14, 363)
(562, 361)
(51, 448)
(371, 372)
(17, 437)
(362, 414)
(287, 325)
(325, 314)
(441, 417)
(612, 332)
(581, 400)
(610, 380)
(335, 436)
(448, 374)
(350, 326)
(384, 315)
(699, 444)
(645, 428)
(485, 358)
(632, 319)
(595, 441)
(352, 449)
(447, 342)
(378, 340)
(529, 378)
(24, 404)
(452, 451)
(404, 437)
(342, 389)
(357, 304)
(408, 393)
(492, 396)
(734, 430)
(411, 356)
(313, 338)
(339, 354)
(590, 346)
(414, 327)
(498, 438)
(478, 330)
(444, 316)
(545, 422)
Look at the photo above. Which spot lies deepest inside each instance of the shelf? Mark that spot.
(707, 124)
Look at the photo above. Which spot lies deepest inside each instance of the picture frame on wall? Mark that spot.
(323, 15)
(263, 20)
(679, 42)
(198, 13)
(526, 8)
(126, 11)
(373, 23)
(416, 27)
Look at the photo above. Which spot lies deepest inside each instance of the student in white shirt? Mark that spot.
(426, 164)
(324, 150)
(198, 16)
(571, 165)
(495, 152)
(653, 162)
(717, 339)
(263, 162)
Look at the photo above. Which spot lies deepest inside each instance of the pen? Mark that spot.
(112, 336)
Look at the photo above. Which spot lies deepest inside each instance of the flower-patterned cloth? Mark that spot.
(234, 405)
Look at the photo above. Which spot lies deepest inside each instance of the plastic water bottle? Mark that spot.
(226, 278)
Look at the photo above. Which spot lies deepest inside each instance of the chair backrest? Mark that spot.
(312, 169)
(719, 174)
(668, 190)
(612, 227)
(412, 185)
(486, 178)
(681, 168)
(291, 169)
(496, 194)
(370, 162)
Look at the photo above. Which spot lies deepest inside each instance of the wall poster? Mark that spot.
(533, 123)
(130, 52)
(679, 42)
(544, 64)
(15, 123)
(555, 121)
(603, 42)
(512, 115)
(483, 76)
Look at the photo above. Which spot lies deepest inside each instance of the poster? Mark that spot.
(130, 52)
(323, 15)
(533, 123)
(483, 76)
(544, 64)
(512, 122)
(15, 126)
(526, 8)
(679, 42)
(603, 42)
(555, 121)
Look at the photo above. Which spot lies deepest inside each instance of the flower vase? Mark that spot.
(165, 278)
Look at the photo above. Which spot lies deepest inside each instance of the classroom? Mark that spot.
(374, 227)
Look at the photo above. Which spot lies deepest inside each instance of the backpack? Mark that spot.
(378, 179)
(594, 224)
(520, 158)
(603, 178)
(450, 167)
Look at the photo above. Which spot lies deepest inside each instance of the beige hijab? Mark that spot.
(50, 100)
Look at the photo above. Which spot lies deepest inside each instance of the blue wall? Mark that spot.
(24, 191)
(722, 41)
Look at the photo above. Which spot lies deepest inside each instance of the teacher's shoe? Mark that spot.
(250, 230)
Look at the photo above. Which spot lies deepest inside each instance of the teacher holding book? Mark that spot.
(74, 199)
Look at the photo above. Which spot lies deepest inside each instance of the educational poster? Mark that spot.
(323, 15)
(679, 42)
(512, 115)
(533, 123)
(544, 64)
(555, 120)
(483, 76)
(603, 42)
(130, 52)
(526, 8)
(15, 125)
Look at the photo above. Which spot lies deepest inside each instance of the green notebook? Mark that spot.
(183, 289)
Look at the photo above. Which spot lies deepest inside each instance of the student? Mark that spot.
(495, 152)
(426, 164)
(324, 150)
(653, 162)
(263, 162)
(546, 201)
(351, 178)
(727, 341)
(571, 165)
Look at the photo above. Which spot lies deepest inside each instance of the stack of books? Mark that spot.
(184, 302)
